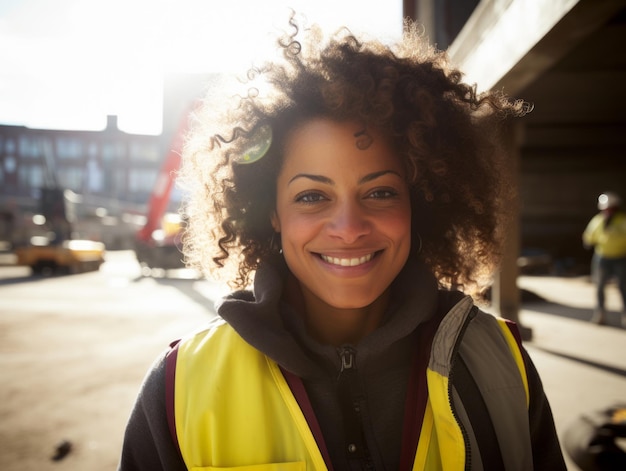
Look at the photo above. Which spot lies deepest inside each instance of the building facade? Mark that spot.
(107, 176)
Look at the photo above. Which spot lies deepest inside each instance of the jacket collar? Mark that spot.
(274, 328)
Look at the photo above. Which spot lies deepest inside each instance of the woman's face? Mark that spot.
(343, 213)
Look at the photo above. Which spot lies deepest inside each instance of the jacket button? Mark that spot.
(351, 447)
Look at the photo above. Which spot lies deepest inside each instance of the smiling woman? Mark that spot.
(362, 190)
(343, 214)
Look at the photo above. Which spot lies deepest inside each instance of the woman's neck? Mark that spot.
(332, 326)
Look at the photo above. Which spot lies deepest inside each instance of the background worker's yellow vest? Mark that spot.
(609, 242)
(233, 409)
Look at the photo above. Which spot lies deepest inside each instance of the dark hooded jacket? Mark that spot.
(385, 360)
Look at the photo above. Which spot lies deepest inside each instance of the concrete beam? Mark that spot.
(507, 44)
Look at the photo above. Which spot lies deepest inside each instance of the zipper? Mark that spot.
(350, 399)
(468, 452)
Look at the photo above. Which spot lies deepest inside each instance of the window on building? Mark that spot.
(92, 150)
(69, 148)
(94, 177)
(10, 164)
(29, 146)
(113, 151)
(8, 169)
(9, 146)
(30, 176)
(141, 180)
(144, 151)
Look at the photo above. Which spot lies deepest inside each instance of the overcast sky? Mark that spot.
(67, 64)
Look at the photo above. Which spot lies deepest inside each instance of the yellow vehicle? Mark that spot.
(69, 256)
(50, 244)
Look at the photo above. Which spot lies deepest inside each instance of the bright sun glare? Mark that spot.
(69, 63)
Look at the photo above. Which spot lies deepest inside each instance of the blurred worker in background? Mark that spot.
(606, 233)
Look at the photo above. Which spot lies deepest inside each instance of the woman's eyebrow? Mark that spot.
(322, 179)
(375, 175)
(316, 178)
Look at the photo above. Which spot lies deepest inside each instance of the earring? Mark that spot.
(420, 247)
(275, 244)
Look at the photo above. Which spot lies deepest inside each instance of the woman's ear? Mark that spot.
(275, 221)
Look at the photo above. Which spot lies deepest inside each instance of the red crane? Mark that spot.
(157, 243)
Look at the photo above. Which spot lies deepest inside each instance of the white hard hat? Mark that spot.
(608, 200)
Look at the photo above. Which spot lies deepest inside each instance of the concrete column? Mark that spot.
(505, 292)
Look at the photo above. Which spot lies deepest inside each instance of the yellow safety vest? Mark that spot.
(233, 409)
(609, 242)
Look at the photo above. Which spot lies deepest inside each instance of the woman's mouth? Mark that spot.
(347, 262)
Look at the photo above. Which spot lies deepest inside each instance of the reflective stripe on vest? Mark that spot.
(495, 362)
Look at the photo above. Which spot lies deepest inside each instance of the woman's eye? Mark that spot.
(383, 193)
(309, 198)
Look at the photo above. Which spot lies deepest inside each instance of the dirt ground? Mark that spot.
(73, 353)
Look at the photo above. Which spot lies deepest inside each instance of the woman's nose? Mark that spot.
(349, 222)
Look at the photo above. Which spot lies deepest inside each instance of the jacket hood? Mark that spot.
(267, 323)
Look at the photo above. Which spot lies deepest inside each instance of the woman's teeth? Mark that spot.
(347, 262)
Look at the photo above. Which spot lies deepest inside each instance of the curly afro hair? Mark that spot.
(448, 135)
